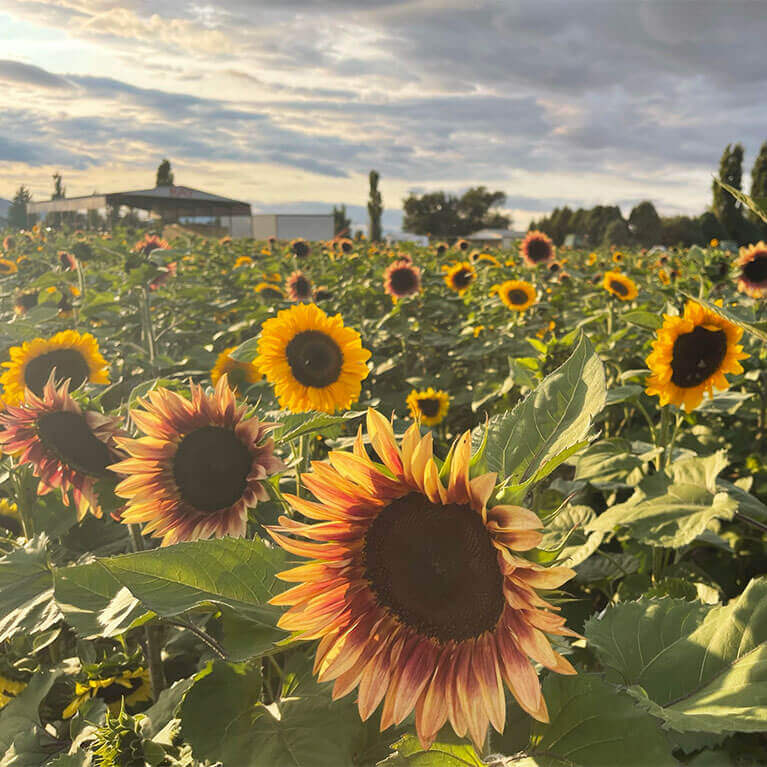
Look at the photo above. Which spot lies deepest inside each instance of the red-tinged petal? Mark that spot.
(519, 675)
(458, 484)
(489, 676)
(382, 439)
(514, 518)
(480, 490)
(417, 669)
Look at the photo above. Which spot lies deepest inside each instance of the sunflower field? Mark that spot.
(271, 503)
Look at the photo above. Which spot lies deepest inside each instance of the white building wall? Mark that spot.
(311, 228)
(242, 226)
(264, 225)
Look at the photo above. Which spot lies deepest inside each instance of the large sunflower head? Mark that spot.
(460, 276)
(537, 248)
(7, 267)
(299, 286)
(401, 279)
(517, 295)
(239, 374)
(620, 286)
(300, 248)
(752, 279)
(691, 356)
(429, 406)
(418, 591)
(128, 688)
(66, 447)
(198, 468)
(75, 358)
(313, 361)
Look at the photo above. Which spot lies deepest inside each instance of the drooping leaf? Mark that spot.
(565, 536)
(743, 198)
(608, 464)
(446, 751)
(296, 425)
(21, 714)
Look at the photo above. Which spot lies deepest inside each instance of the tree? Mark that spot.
(617, 233)
(341, 222)
(441, 215)
(59, 192)
(375, 209)
(710, 227)
(164, 174)
(681, 231)
(17, 212)
(726, 208)
(759, 186)
(645, 225)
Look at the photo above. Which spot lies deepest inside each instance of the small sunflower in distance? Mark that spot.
(618, 257)
(462, 245)
(300, 248)
(752, 279)
(239, 374)
(7, 267)
(345, 245)
(150, 242)
(517, 295)
(67, 448)
(620, 286)
(441, 248)
(691, 356)
(402, 278)
(417, 589)
(460, 276)
(198, 469)
(429, 406)
(299, 287)
(75, 358)
(313, 361)
(537, 248)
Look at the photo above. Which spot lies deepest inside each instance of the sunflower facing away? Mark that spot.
(752, 279)
(518, 295)
(417, 591)
(300, 248)
(537, 248)
(240, 374)
(691, 355)
(313, 361)
(401, 279)
(460, 276)
(620, 286)
(67, 448)
(429, 406)
(134, 686)
(75, 357)
(299, 287)
(199, 467)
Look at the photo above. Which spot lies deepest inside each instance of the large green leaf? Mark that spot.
(608, 464)
(593, 724)
(565, 536)
(445, 752)
(297, 425)
(26, 590)
(671, 509)
(21, 714)
(551, 419)
(234, 574)
(700, 669)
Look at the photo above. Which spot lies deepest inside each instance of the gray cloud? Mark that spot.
(27, 74)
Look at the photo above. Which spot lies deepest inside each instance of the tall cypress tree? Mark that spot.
(759, 186)
(17, 212)
(164, 174)
(726, 208)
(375, 209)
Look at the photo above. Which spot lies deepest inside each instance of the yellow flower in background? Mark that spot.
(7, 267)
(460, 276)
(133, 686)
(429, 406)
(620, 286)
(517, 295)
(714, 243)
(240, 374)
(243, 261)
(9, 689)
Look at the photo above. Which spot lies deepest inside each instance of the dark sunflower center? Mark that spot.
(619, 288)
(441, 249)
(68, 435)
(463, 245)
(302, 287)
(346, 247)
(538, 250)
(27, 301)
(403, 281)
(114, 691)
(429, 406)
(314, 359)
(6, 267)
(462, 278)
(517, 296)
(69, 364)
(300, 249)
(211, 468)
(697, 355)
(435, 568)
(756, 270)
(554, 267)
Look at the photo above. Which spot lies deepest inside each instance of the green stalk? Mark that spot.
(146, 322)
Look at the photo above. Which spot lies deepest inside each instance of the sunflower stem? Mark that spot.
(146, 321)
(23, 497)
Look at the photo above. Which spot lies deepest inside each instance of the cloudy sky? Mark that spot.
(288, 104)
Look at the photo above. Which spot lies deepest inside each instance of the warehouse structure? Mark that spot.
(288, 226)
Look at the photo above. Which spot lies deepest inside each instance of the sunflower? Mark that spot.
(300, 248)
(225, 240)
(67, 448)
(490, 259)
(67, 260)
(592, 259)
(537, 248)
(313, 361)
(198, 469)
(243, 261)
(460, 276)
(7, 267)
(9, 689)
(441, 248)
(299, 286)
(149, 243)
(132, 686)
(345, 245)
(429, 406)
(691, 355)
(417, 590)
(618, 257)
(663, 277)
(518, 295)
(9, 242)
(401, 279)
(752, 279)
(23, 302)
(461, 245)
(240, 374)
(714, 243)
(9, 519)
(322, 293)
(75, 358)
(619, 285)
(266, 290)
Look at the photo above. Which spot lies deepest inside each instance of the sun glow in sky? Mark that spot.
(288, 104)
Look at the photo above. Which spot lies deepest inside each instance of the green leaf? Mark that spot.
(699, 668)
(21, 713)
(608, 464)
(165, 709)
(234, 574)
(743, 198)
(566, 535)
(643, 319)
(445, 752)
(729, 315)
(26, 590)
(619, 394)
(246, 351)
(551, 419)
(296, 425)
(593, 724)
(672, 509)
